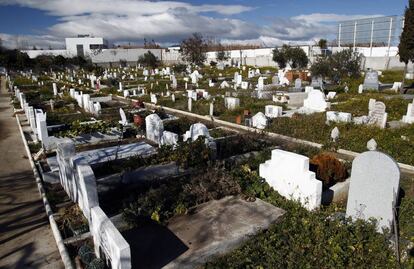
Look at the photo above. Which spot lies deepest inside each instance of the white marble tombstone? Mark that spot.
(409, 117)
(260, 83)
(124, 120)
(272, 111)
(259, 121)
(335, 134)
(371, 80)
(298, 84)
(377, 115)
(231, 103)
(55, 91)
(154, 128)
(288, 173)
(196, 130)
(315, 101)
(373, 189)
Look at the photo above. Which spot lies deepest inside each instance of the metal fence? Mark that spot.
(370, 32)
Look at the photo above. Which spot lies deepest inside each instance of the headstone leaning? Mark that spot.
(373, 189)
(371, 81)
(154, 128)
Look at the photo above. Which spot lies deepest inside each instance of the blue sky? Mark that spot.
(271, 22)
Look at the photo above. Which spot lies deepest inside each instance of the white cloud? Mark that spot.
(170, 22)
(126, 7)
(28, 41)
(330, 17)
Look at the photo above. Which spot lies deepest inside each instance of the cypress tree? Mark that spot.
(406, 46)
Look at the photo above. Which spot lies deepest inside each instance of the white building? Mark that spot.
(83, 45)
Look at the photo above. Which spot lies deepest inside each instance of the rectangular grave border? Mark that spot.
(348, 153)
(54, 227)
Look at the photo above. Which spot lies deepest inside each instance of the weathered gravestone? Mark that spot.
(288, 173)
(154, 128)
(260, 83)
(315, 101)
(196, 130)
(272, 111)
(373, 189)
(259, 121)
(338, 116)
(298, 84)
(371, 81)
(124, 120)
(275, 80)
(377, 115)
(169, 138)
(409, 117)
(154, 98)
(231, 103)
(335, 134)
(317, 82)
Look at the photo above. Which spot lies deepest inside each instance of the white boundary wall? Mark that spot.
(79, 182)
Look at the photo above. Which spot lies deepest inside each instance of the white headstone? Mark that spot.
(272, 111)
(315, 101)
(259, 121)
(231, 103)
(373, 189)
(409, 117)
(378, 116)
(55, 91)
(196, 130)
(124, 120)
(169, 138)
(288, 173)
(335, 134)
(372, 144)
(338, 116)
(154, 128)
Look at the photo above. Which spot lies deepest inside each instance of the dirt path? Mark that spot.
(26, 240)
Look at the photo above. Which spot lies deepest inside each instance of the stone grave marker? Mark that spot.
(409, 117)
(124, 120)
(315, 101)
(371, 80)
(259, 121)
(272, 111)
(373, 188)
(377, 115)
(154, 128)
(288, 173)
(372, 144)
(335, 134)
(298, 84)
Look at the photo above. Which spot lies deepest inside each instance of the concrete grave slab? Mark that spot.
(219, 226)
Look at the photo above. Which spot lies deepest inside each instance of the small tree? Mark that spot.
(323, 44)
(194, 49)
(222, 54)
(345, 64)
(406, 46)
(149, 60)
(295, 57)
(341, 65)
(321, 67)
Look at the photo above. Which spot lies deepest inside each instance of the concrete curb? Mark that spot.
(59, 241)
(348, 153)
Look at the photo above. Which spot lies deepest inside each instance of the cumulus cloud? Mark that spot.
(170, 21)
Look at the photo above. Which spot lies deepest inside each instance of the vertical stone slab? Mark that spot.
(373, 189)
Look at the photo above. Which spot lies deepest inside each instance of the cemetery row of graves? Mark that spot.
(133, 184)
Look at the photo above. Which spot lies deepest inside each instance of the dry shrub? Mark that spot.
(328, 169)
(210, 185)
